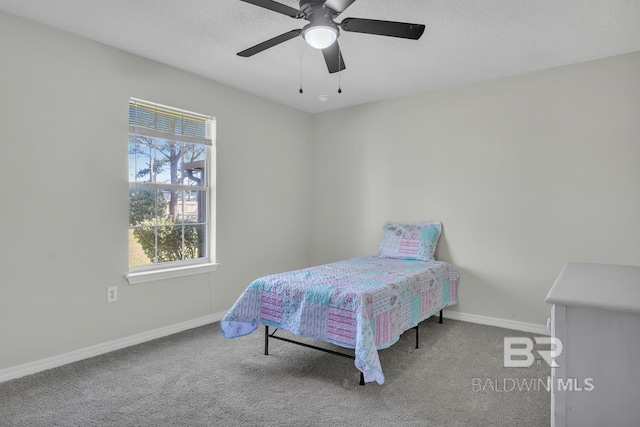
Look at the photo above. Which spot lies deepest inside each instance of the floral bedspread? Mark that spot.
(362, 303)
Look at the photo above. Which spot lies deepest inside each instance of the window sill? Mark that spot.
(169, 273)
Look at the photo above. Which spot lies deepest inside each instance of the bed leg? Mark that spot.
(361, 379)
(440, 320)
(417, 328)
(266, 340)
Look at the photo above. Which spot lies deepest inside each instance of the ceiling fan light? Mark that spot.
(320, 37)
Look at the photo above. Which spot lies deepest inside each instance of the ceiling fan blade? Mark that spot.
(276, 7)
(269, 43)
(338, 5)
(383, 28)
(333, 58)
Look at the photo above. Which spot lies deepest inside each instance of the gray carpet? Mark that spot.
(199, 378)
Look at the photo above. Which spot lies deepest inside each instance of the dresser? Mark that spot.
(595, 316)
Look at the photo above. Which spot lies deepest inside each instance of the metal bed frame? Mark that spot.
(268, 335)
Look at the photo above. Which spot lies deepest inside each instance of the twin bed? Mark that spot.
(362, 303)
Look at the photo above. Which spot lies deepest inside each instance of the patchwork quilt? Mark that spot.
(362, 303)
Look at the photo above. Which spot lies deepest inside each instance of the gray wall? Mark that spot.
(63, 124)
(526, 173)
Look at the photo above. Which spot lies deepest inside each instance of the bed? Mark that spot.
(363, 303)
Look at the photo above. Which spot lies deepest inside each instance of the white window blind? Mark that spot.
(160, 121)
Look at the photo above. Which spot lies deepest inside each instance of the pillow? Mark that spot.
(410, 241)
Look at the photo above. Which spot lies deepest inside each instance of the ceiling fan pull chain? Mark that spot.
(339, 82)
(301, 91)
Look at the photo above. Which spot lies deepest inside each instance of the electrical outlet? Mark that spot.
(112, 294)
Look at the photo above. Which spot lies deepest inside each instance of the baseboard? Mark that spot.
(494, 321)
(103, 348)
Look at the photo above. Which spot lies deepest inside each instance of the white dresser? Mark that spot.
(596, 316)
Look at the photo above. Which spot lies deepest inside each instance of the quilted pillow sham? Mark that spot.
(410, 241)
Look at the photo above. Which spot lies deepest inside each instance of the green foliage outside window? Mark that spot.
(170, 239)
(142, 205)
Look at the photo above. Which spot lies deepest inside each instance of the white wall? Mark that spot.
(526, 173)
(64, 216)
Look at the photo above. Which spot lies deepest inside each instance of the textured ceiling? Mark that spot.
(465, 41)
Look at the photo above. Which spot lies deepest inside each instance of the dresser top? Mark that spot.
(607, 286)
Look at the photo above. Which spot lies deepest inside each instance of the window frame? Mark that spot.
(172, 269)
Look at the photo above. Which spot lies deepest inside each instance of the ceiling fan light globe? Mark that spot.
(320, 37)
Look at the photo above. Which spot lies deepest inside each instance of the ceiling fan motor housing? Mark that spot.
(318, 15)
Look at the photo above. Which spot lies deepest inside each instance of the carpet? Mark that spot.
(199, 378)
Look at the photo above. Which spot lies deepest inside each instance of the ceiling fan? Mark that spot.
(322, 31)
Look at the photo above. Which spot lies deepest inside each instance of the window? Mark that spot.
(171, 154)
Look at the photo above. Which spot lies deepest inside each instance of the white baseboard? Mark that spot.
(103, 348)
(494, 321)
